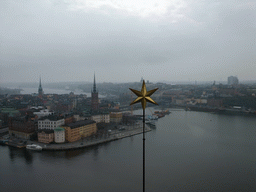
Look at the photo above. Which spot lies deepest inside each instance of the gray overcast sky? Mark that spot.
(124, 40)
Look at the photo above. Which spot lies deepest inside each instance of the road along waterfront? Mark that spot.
(128, 132)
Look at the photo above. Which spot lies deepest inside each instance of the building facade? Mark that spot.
(45, 135)
(116, 117)
(101, 118)
(89, 128)
(69, 119)
(59, 135)
(43, 113)
(21, 127)
(50, 122)
(72, 133)
(232, 80)
(80, 129)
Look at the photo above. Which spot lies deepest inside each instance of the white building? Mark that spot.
(101, 118)
(44, 112)
(78, 118)
(50, 122)
(59, 135)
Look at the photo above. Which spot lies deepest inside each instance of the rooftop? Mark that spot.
(45, 130)
(59, 129)
(80, 123)
(51, 118)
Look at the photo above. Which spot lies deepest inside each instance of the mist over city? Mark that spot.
(146, 95)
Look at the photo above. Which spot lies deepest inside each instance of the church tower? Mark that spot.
(40, 89)
(95, 99)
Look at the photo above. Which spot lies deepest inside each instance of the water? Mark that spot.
(188, 151)
(51, 91)
(54, 91)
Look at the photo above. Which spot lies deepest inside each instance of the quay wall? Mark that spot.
(82, 144)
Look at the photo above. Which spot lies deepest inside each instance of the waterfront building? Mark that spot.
(88, 128)
(201, 101)
(45, 135)
(116, 117)
(40, 89)
(72, 133)
(59, 135)
(232, 80)
(50, 122)
(79, 129)
(21, 127)
(101, 118)
(94, 97)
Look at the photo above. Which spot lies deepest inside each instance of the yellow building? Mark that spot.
(79, 129)
(116, 117)
(45, 135)
(89, 128)
(72, 133)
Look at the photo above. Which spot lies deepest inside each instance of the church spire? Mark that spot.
(40, 85)
(94, 85)
(40, 89)
(95, 99)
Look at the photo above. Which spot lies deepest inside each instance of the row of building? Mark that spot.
(68, 133)
(59, 129)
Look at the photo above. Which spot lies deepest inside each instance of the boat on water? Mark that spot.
(152, 117)
(162, 113)
(34, 147)
(150, 122)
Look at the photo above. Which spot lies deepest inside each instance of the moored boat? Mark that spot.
(34, 147)
(162, 113)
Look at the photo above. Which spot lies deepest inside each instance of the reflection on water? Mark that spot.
(15, 154)
(70, 154)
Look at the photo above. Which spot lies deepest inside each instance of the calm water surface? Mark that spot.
(188, 151)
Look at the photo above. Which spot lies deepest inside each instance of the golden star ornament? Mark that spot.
(143, 96)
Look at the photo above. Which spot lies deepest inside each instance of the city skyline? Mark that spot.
(180, 40)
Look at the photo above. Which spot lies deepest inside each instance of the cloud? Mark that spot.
(69, 40)
(141, 8)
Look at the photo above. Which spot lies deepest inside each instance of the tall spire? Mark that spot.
(40, 85)
(40, 89)
(95, 99)
(94, 85)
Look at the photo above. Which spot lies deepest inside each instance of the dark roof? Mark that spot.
(46, 131)
(80, 123)
(51, 118)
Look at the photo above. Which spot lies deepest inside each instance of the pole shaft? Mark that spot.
(144, 150)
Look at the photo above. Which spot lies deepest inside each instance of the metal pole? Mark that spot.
(144, 150)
